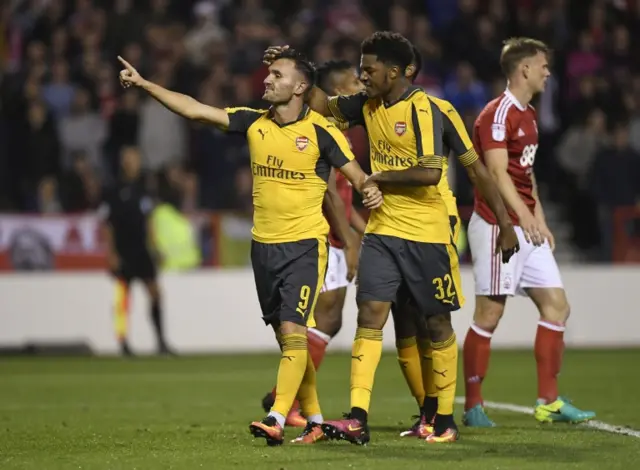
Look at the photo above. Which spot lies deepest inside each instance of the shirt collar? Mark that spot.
(303, 114)
(515, 100)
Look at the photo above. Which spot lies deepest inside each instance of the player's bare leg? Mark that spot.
(476, 353)
(365, 356)
(445, 374)
(549, 347)
(328, 317)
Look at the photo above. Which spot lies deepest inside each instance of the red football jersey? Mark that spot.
(346, 194)
(504, 123)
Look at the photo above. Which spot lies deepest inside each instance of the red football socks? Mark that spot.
(549, 348)
(318, 342)
(476, 352)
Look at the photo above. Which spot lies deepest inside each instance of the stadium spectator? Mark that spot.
(62, 53)
(614, 181)
(59, 92)
(465, 92)
(41, 151)
(78, 184)
(48, 201)
(83, 130)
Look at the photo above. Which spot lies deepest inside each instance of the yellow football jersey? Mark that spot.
(416, 130)
(456, 142)
(291, 164)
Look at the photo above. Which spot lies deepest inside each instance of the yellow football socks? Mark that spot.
(409, 360)
(308, 393)
(428, 380)
(121, 310)
(445, 373)
(365, 356)
(293, 365)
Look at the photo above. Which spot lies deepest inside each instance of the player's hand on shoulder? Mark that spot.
(129, 75)
(272, 53)
(507, 243)
(371, 194)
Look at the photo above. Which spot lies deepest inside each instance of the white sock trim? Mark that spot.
(480, 331)
(323, 336)
(551, 326)
(279, 418)
(318, 419)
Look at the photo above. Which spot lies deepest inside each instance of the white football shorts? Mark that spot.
(532, 267)
(336, 276)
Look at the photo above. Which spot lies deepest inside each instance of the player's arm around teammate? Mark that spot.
(317, 99)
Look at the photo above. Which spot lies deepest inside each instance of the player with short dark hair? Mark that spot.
(412, 335)
(506, 138)
(125, 210)
(415, 66)
(336, 78)
(292, 151)
(407, 254)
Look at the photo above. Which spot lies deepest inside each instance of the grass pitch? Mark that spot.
(193, 412)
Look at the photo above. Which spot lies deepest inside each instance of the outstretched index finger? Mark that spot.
(126, 64)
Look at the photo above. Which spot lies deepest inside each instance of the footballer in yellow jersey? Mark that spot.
(292, 152)
(407, 249)
(412, 337)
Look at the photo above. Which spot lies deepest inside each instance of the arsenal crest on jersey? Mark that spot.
(401, 128)
(301, 143)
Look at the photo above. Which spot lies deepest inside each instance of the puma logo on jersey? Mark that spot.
(358, 358)
(262, 133)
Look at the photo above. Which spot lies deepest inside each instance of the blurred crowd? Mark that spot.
(64, 119)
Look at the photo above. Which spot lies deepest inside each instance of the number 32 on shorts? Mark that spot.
(445, 290)
(305, 293)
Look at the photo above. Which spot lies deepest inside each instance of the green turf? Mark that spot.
(188, 413)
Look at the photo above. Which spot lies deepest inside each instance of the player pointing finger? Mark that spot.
(129, 75)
